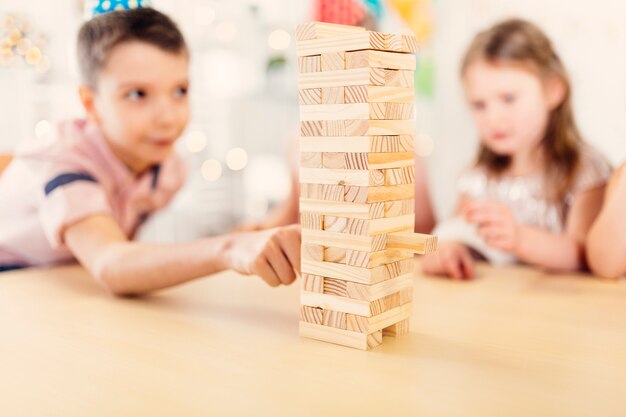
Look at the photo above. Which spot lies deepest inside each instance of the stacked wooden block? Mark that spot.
(357, 183)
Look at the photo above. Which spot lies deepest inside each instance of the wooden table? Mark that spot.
(516, 342)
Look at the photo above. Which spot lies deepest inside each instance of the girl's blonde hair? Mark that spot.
(517, 41)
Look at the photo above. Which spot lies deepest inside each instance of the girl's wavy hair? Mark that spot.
(517, 41)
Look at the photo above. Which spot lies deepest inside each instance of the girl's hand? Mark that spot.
(496, 224)
(451, 259)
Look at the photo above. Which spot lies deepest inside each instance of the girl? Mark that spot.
(536, 186)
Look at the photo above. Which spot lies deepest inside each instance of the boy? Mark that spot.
(83, 192)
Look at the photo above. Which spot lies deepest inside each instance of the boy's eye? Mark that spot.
(136, 94)
(180, 92)
(508, 98)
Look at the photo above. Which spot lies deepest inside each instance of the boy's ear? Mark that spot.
(88, 99)
(555, 91)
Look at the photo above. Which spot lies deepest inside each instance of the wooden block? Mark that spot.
(312, 283)
(398, 176)
(356, 111)
(360, 144)
(380, 59)
(358, 227)
(312, 221)
(356, 127)
(390, 193)
(343, 209)
(333, 61)
(308, 64)
(379, 322)
(365, 194)
(406, 295)
(378, 127)
(409, 44)
(346, 241)
(385, 160)
(401, 284)
(310, 96)
(317, 30)
(341, 304)
(336, 255)
(340, 337)
(311, 159)
(342, 78)
(335, 112)
(335, 160)
(342, 176)
(378, 94)
(335, 224)
(332, 95)
(374, 339)
(390, 111)
(311, 314)
(385, 303)
(335, 287)
(361, 227)
(336, 319)
(393, 42)
(398, 78)
(373, 259)
(350, 42)
(322, 192)
(398, 208)
(400, 328)
(313, 252)
(356, 160)
(414, 242)
(408, 206)
(356, 274)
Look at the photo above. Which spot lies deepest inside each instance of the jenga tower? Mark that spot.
(357, 183)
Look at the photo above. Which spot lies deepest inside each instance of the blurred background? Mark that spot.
(244, 92)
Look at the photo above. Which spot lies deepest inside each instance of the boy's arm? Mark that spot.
(124, 267)
(565, 251)
(606, 243)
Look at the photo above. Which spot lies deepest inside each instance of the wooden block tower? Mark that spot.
(357, 183)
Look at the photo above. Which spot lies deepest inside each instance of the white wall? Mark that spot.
(261, 114)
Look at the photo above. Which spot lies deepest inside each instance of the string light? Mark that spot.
(196, 141)
(237, 159)
(279, 40)
(211, 170)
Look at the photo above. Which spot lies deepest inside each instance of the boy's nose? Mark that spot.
(166, 112)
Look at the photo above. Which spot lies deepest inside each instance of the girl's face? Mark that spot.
(509, 104)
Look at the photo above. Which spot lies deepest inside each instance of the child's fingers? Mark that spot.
(468, 264)
(278, 261)
(290, 239)
(452, 266)
(431, 264)
(263, 269)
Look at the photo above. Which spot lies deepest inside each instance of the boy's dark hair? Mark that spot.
(98, 36)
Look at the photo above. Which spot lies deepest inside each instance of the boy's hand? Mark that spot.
(496, 224)
(272, 254)
(451, 259)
